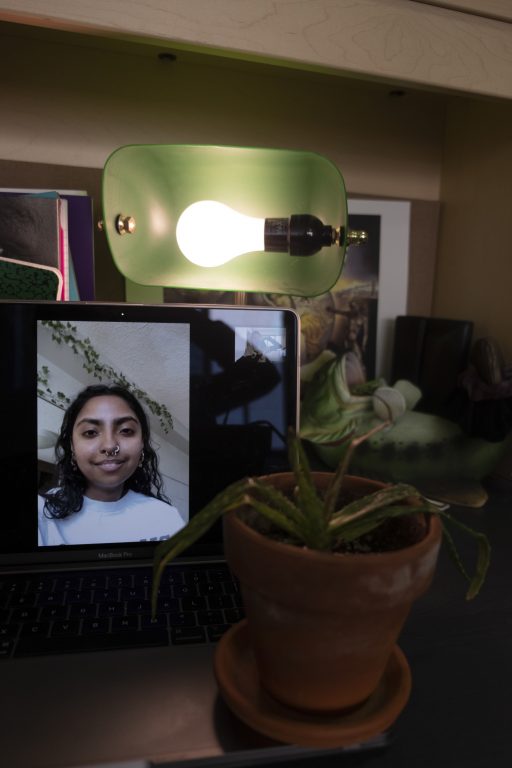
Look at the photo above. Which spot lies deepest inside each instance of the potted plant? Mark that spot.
(329, 566)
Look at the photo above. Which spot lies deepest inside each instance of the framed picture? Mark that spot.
(384, 261)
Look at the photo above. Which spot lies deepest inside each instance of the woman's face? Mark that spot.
(104, 423)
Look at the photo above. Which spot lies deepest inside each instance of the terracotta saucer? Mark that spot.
(238, 681)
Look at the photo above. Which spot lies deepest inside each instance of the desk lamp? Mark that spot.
(226, 218)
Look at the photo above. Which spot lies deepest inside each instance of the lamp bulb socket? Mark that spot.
(300, 235)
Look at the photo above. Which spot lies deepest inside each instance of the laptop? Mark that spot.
(87, 676)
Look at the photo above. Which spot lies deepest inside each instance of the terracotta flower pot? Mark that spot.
(323, 626)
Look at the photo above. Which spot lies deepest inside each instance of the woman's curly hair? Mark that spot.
(68, 497)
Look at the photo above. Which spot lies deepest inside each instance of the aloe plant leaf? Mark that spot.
(384, 497)
(308, 530)
(452, 551)
(273, 496)
(309, 502)
(334, 489)
(273, 515)
(483, 553)
(167, 550)
(314, 538)
(360, 527)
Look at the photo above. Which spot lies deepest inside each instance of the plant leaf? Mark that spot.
(360, 527)
(314, 535)
(273, 515)
(167, 550)
(311, 506)
(273, 496)
(334, 489)
(483, 554)
(384, 497)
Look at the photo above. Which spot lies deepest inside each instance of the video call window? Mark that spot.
(114, 398)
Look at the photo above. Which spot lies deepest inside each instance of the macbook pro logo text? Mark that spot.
(114, 555)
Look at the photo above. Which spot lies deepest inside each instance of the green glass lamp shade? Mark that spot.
(298, 200)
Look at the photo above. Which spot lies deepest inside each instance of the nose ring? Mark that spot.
(113, 452)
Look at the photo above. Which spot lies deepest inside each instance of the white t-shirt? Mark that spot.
(134, 517)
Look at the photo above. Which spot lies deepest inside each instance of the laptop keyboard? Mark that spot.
(100, 610)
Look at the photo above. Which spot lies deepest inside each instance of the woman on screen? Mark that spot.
(109, 487)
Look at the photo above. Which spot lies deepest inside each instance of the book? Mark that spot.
(30, 229)
(80, 237)
(81, 242)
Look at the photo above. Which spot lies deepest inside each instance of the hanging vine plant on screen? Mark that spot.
(67, 334)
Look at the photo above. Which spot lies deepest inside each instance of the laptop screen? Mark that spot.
(122, 421)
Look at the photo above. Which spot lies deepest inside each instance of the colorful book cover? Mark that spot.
(26, 280)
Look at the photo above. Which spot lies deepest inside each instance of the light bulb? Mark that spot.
(210, 234)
